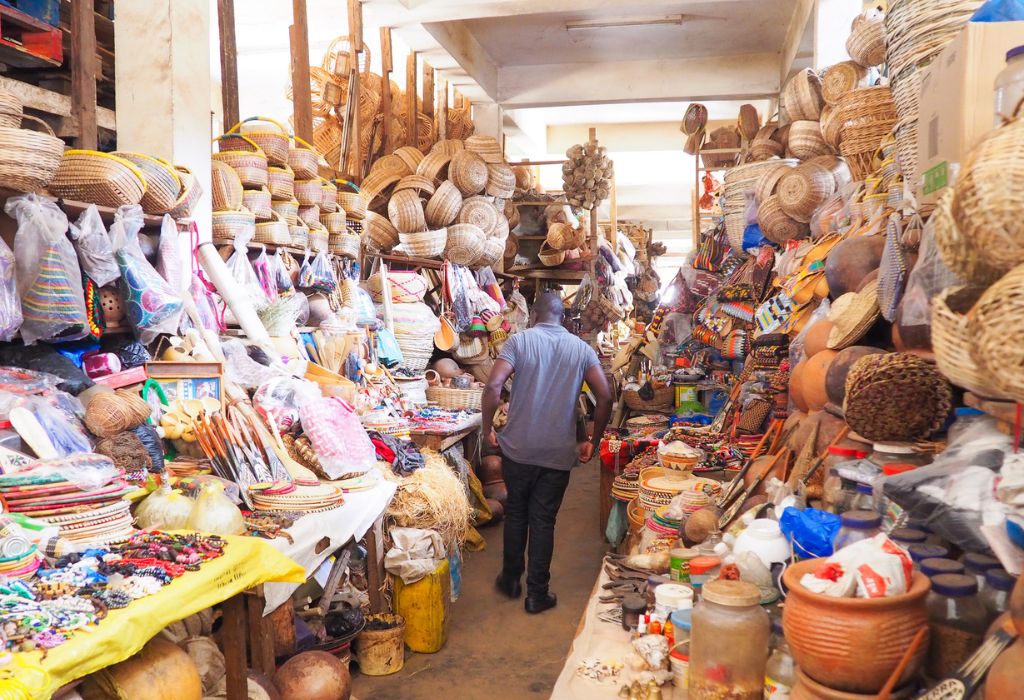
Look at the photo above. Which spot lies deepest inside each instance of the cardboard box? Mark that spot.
(957, 101)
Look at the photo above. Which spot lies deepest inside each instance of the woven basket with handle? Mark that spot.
(345, 245)
(227, 188)
(269, 135)
(259, 203)
(191, 193)
(308, 192)
(334, 221)
(287, 209)
(274, 232)
(99, 178)
(250, 163)
(163, 185)
(353, 203)
(329, 203)
(951, 340)
(228, 225)
(424, 244)
(455, 399)
(867, 116)
(28, 159)
(281, 183)
(303, 159)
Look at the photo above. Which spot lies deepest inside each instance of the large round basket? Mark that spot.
(191, 193)
(468, 172)
(479, 212)
(951, 340)
(228, 225)
(28, 159)
(281, 182)
(806, 140)
(486, 147)
(379, 234)
(778, 226)
(455, 399)
(768, 182)
(494, 251)
(424, 244)
(802, 96)
(405, 210)
(303, 160)
(465, 244)
(803, 189)
(163, 185)
(11, 110)
(259, 203)
(444, 205)
(250, 163)
(663, 399)
(501, 181)
(866, 43)
(227, 188)
(840, 78)
(98, 178)
(269, 135)
(274, 232)
(435, 165)
(959, 254)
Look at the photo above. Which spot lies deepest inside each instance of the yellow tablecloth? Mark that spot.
(247, 562)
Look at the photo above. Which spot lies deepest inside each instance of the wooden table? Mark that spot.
(441, 440)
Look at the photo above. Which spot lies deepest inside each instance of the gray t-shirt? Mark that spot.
(549, 364)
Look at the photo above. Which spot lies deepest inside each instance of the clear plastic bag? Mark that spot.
(63, 430)
(168, 262)
(151, 305)
(215, 513)
(280, 399)
(48, 277)
(208, 314)
(93, 247)
(929, 277)
(10, 304)
(317, 274)
(88, 471)
(282, 279)
(261, 268)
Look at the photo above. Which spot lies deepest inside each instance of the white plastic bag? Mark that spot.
(414, 553)
(874, 568)
(168, 262)
(93, 247)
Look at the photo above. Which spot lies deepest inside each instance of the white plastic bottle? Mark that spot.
(1009, 85)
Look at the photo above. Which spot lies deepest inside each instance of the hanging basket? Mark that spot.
(806, 140)
(98, 178)
(163, 185)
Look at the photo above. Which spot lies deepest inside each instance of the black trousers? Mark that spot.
(534, 497)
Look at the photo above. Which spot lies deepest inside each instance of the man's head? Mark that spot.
(547, 309)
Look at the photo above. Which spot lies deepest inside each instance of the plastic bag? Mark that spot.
(388, 352)
(93, 247)
(87, 471)
(48, 277)
(282, 279)
(63, 430)
(338, 437)
(282, 314)
(1000, 11)
(318, 275)
(205, 300)
(241, 369)
(242, 273)
(215, 513)
(811, 531)
(280, 399)
(873, 568)
(10, 304)
(168, 264)
(929, 277)
(261, 268)
(151, 304)
(414, 553)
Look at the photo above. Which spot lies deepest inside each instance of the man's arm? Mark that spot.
(598, 384)
(500, 373)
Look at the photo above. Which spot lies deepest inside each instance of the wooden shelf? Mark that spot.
(428, 263)
(549, 274)
(73, 209)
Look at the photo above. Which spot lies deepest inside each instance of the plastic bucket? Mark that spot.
(382, 652)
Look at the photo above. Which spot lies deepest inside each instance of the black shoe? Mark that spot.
(510, 589)
(540, 603)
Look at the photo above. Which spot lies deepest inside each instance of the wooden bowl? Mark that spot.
(853, 644)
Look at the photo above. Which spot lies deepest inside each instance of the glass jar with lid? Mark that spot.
(1009, 85)
(976, 565)
(996, 596)
(957, 620)
(920, 552)
(905, 536)
(936, 567)
(836, 495)
(883, 453)
(728, 643)
(780, 672)
(856, 525)
(864, 499)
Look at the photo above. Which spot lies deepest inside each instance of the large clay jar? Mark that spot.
(1006, 677)
(835, 380)
(1017, 606)
(313, 675)
(817, 336)
(796, 390)
(813, 379)
(161, 671)
(851, 261)
(853, 644)
(806, 688)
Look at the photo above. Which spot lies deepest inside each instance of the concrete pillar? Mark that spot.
(832, 21)
(163, 86)
(487, 116)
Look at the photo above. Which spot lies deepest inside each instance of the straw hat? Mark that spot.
(468, 172)
(405, 210)
(852, 316)
(444, 205)
(479, 212)
(448, 147)
(486, 147)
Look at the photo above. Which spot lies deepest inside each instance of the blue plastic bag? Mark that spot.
(811, 531)
(1000, 11)
(753, 238)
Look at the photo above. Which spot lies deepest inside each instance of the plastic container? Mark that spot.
(965, 418)
(977, 564)
(957, 619)
(679, 657)
(670, 597)
(837, 498)
(920, 552)
(780, 672)
(425, 607)
(765, 539)
(679, 564)
(856, 525)
(381, 652)
(936, 567)
(1009, 85)
(996, 596)
(883, 453)
(865, 499)
(728, 643)
(905, 536)
(702, 570)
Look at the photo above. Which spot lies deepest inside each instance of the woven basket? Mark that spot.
(308, 192)
(444, 205)
(407, 287)
(989, 198)
(421, 184)
(764, 150)
(424, 244)
(803, 189)
(493, 252)
(501, 181)
(259, 203)
(98, 178)
(866, 43)
(353, 203)
(435, 165)
(289, 210)
(344, 244)
(411, 156)
(549, 256)
(951, 340)
(996, 327)
(319, 239)
(28, 159)
(272, 140)
(310, 215)
(776, 225)
(831, 126)
(379, 234)
(835, 165)
(486, 147)
(303, 160)
(391, 165)
(227, 188)
(455, 399)
(281, 183)
(334, 222)
(468, 172)
(249, 163)
(163, 185)
(329, 201)
(840, 78)
(663, 399)
(802, 96)
(867, 116)
(767, 183)
(465, 244)
(405, 211)
(191, 193)
(695, 119)
(228, 225)
(378, 185)
(806, 140)
(299, 235)
(274, 232)
(11, 110)
(749, 121)
(479, 212)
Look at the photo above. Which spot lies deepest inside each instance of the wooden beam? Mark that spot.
(428, 90)
(302, 104)
(355, 39)
(83, 72)
(386, 66)
(442, 113)
(410, 100)
(355, 26)
(228, 63)
(54, 103)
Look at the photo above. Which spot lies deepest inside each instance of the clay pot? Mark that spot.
(313, 675)
(319, 309)
(916, 340)
(161, 671)
(447, 368)
(817, 337)
(806, 688)
(796, 390)
(496, 491)
(490, 469)
(813, 379)
(868, 279)
(850, 261)
(835, 380)
(1017, 605)
(802, 433)
(1006, 677)
(853, 644)
(497, 510)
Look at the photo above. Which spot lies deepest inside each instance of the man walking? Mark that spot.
(538, 443)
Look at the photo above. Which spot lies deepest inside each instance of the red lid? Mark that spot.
(682, 362)
(897, 468)
(702, 565)
(847, 452)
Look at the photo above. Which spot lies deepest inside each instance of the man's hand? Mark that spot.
(492, 439)
(585, 450)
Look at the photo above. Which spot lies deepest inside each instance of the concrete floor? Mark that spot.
(495, 651)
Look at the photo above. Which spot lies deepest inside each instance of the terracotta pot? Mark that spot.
(496, 491)
(817, 337)
(497, 510)
(1006, 677)
(161, 671)
(313, 675)
(913, 339)
(447, 368)
(796, 391)
(853, 644)
(1017, 605)
(490, 469)
(813, 379)
(806, 688)
(802, 433)
(850, 261)
(867, 279)
(835, 379)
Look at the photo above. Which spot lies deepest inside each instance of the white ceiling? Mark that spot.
(634, 113)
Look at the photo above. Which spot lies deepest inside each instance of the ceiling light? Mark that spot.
(630, 22)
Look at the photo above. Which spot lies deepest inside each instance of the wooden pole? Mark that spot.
(442, 113)
(302, 104)
(428, 96)
(228, 63)
(355, 40)
(386, 66)
(410, 100)
(83, 72)
(594, 245)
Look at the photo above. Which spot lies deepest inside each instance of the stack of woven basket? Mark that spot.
(414, 323)
(739, 182)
